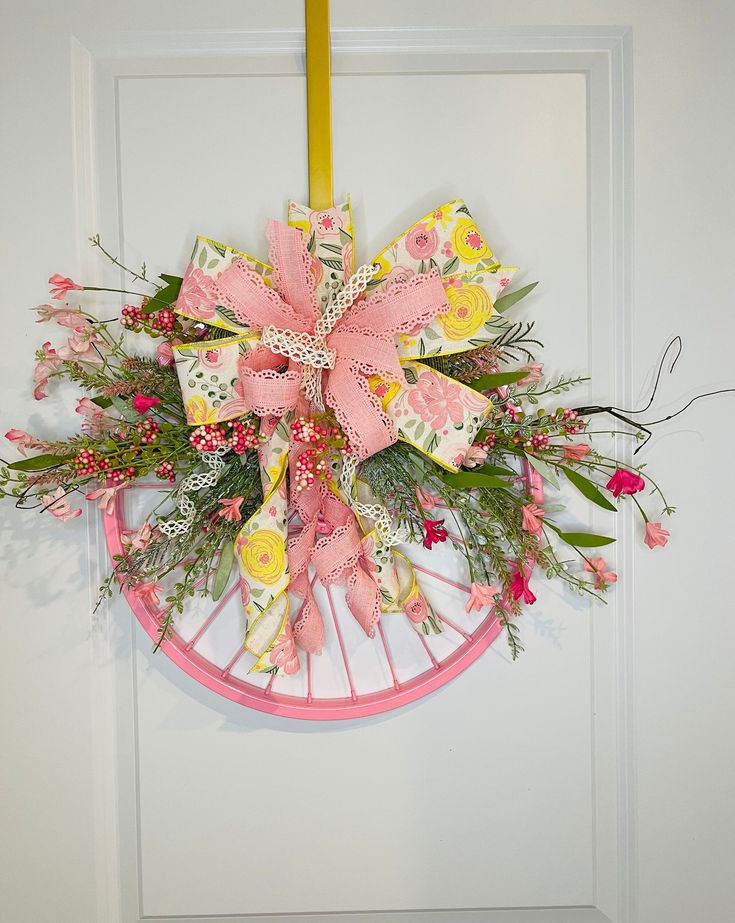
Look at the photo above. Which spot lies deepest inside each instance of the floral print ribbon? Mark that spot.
(431, 293)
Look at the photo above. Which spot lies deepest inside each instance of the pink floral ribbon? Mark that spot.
(363, 340)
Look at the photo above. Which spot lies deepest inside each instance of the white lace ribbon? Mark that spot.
(374, 511)
(191, 485)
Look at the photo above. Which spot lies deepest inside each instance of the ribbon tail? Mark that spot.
(367, 427)
(308, 629)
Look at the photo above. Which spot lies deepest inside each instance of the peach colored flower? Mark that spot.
(400, 274)
(284, 654)
(83, 346)
(603, 577)
(426, 500)
(481, 595)
(64, 316)
(59, 506)
(476, 455)
(47, 362)
(656, 535)
(535, 374)
(106, 497)
(422, 242)
(148, 592)
(577, 452)
(62, 285)
(231, 509)
(436, 399)
(140, 540)
(96, 419)
(532, 518)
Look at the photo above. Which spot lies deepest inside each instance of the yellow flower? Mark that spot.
(468, 243)
(198, 411)
(469, 310)
(301, 225)
(385, 266)
(263, 556)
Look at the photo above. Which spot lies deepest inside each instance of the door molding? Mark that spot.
(603, 55)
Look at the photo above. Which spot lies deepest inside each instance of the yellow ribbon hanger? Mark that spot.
(319, 104)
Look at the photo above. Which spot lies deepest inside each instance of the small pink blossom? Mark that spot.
(197, 296)
(140, 540)
(64, 316)
(535, 374)
(96, 419)
(83, 346)
(656, 535)
(148, 592)
(625, 482)
(106, 497)
(603, 577)
(532, 518)
(47, 362)
(23, 440)
(519, 587)
(284, 654)
(59, 506)
(62, 285)
(476, 455)
(427, 500)
(481, 595)
(165, 352)
(577, 452)
(142, 403)
(231, 509)
(416, 608)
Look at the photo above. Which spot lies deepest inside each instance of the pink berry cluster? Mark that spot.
(136, 319)
(232, 433)
(120, 475)
(326, 442)
(165, 472)
(537, 441)
(572, 423)
(487, 443)
(90, 463)
(148, 430)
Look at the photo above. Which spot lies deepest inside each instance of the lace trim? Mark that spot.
(173, 528)
(301, 347)
(259, 403)
(353, 435)
(306, 280)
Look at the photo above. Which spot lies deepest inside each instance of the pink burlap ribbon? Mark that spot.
(363, 344)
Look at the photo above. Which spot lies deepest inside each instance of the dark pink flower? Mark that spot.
(142, 403)
(519, 587)
(61, 285)
(625, 482)
(434, 532)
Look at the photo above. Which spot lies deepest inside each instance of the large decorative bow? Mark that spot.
(429, 293)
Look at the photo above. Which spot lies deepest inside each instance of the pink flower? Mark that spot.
(23, 440)
(535, 373)
(519, 587)
(325, 224)
(61, 285)
(284, 654)
(481, 595)
(96, 419)
(416, 608)
(82, 346)
(436, 399)
(577, 452)
(47, 362)
(140, 540)
(148, 592)
(476, 455)
(64, 316)
(603, 577)
(165, 352)
(656, 535)
(142, 403)
(426, 500)
(106, 497)
(422, 242)
(197, 296)
(625, 482)
(59, 506)
(400, 274)
(434, 532)
(231, 509)
(532, 518)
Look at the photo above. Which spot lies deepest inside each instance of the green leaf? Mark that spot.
(102, 401)
(589, 489)
(450, 265)
(333, 248)
(507, 301)
(163, 299)
(333, 264)
(496, 469)
(581, 539)
(125, 410)
(497, 380)
(224, 569)
(171, 280)
(473, 479)
(39, 462)
(546, 471)
(344, 237)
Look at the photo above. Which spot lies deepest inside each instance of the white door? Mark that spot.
(589, 781)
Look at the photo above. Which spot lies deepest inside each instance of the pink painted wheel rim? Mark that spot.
(221, 680)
